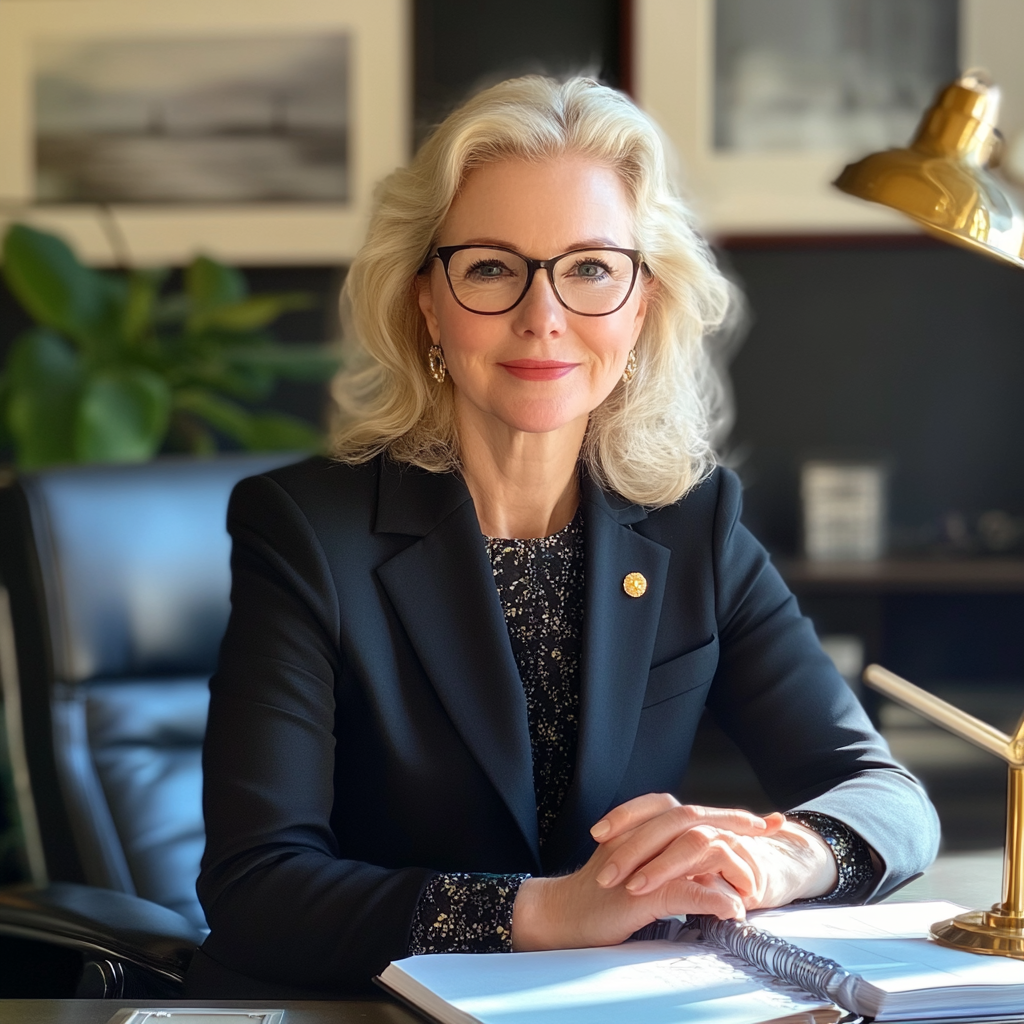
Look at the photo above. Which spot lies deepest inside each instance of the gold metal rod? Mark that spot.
(999, 931)
(1013, 860)
(936, 710)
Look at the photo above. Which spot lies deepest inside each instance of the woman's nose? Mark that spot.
(540, 312)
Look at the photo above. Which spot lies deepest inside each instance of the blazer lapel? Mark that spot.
(619, 632)
(442, 589)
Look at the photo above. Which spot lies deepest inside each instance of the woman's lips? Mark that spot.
(538, 369)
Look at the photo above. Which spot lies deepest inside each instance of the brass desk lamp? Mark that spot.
(1000, 930)
(942, 181)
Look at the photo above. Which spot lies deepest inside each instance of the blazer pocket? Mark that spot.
(688, 671)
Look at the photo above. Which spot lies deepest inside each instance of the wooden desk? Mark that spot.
(99, 1011)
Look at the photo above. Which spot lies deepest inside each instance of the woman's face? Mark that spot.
(539, 367)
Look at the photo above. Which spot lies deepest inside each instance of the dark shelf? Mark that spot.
(906, 576)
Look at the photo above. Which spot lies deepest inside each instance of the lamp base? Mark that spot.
(991, 932)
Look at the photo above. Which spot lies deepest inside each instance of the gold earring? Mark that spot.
(435, 364)
(630, 370)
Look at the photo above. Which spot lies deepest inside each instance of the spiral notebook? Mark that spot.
(796, 964)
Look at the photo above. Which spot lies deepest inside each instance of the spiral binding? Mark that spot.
(815, 974)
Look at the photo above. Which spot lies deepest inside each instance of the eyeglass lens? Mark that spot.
(489, 280)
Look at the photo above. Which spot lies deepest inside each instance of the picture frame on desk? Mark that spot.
(742, 192)
(255, 132)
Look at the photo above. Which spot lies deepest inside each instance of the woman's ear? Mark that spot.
(648, 291)
(425, 297)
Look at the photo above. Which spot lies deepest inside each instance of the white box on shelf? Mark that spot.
(844, 506)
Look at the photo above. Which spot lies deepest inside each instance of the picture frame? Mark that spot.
(377, 130)
(737, 194)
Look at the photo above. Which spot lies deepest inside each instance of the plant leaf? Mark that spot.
(42, 385)
(296, 362)
(254, 312)
(257, 432)
(104, 336)
(140, 304)
(210, 284)
(122, 416)
(57, 290)
(250, 383)
(276, 432)
(172, 309)
(199, 362)
(223, 415)
(187, 433)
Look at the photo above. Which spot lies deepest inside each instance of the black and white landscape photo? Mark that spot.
(192, 120)
(848, 75)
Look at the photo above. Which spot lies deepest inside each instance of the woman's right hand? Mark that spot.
(591, 907)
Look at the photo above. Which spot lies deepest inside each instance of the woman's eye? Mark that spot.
(491, 270)
(590, 269)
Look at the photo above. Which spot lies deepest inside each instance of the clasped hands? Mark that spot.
(657, 857)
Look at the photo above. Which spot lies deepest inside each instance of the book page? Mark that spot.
(888, 946)
(892, 920)
(656, 982)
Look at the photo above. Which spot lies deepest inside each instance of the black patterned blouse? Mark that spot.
(540, 584)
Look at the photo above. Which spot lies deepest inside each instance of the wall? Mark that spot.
(909, 352)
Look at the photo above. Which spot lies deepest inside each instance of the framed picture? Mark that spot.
(767, 102)
(253, 130)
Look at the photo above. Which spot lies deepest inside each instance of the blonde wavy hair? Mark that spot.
(650, 440)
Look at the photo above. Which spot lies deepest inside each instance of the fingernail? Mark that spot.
(602, 828)
(608, 874)
(636, 883)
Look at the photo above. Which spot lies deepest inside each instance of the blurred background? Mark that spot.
(862, 344)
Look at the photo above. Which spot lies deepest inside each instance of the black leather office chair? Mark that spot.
(114, 587)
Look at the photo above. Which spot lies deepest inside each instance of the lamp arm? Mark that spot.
(951, 718)
(1018, 740)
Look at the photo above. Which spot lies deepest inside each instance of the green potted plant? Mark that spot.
(116, 368)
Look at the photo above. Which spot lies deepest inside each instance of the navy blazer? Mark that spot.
(368, 725)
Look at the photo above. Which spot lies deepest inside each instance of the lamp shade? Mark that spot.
(942, 179)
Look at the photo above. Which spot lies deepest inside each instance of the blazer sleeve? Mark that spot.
(778, 695)
(281, 903)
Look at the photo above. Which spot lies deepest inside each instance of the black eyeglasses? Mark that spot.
(490, 279)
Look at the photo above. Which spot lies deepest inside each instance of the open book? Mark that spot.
(807, 964)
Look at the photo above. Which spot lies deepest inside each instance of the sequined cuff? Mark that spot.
(853, 858)
(465, 913)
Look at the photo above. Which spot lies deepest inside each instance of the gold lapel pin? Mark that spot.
(635, 584)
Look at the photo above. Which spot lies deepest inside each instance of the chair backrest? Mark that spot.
(118, 580)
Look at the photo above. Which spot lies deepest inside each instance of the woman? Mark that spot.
(467, 657)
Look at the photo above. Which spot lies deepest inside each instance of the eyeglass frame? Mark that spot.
(444, 253)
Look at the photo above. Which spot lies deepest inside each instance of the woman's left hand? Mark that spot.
(792, 862)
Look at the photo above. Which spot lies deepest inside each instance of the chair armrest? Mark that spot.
(104, 926)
